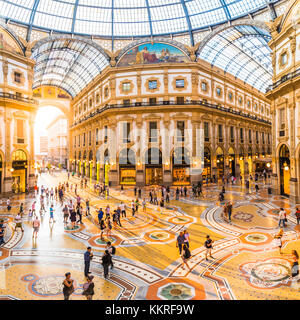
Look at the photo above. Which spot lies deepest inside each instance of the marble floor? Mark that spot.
(246, 265)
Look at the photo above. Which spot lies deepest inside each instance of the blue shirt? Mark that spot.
(100, 215)
(87, 256)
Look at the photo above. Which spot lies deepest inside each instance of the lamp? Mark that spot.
(268, 164)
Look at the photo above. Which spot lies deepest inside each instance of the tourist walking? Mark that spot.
(297, 214)
(186, 238)
(281, 217)
(123, 209)
(102, 228)
(112, 251)
(51, 214)
(186, 255)
(208, 246)
(36, 226)
(18, 221)
(66, 213)
(180, 241)
(68, 288)
(278, 240)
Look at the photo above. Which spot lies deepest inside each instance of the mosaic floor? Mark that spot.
(246, 264)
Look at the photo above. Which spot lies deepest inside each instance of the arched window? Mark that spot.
(181, 156)
(91, 155)
(19, 155)
(127, 157)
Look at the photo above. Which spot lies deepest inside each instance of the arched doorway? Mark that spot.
(127, 167)
(181, 166)
(231, 161)
(284, 170)
(1, 168)
(19, 171)
(153, 167)
(220, 163)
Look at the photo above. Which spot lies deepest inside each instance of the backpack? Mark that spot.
(113, 250)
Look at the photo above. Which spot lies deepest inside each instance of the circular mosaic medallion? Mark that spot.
(176, 291)
(69, 228)
(256, 238)
(48, 286)
(180, 220)
(243, 216)
(271, 272)
(159, 235)
(103, 242)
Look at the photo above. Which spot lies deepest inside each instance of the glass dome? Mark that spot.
(127, 18)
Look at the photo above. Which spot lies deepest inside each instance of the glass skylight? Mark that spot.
(127, 18)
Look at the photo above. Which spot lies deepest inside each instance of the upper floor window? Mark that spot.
(230, 96)
(219, 92)
(17, 77)
(179, 83)
(105, 134)
(250, 136)
(284, 59)
(220, 133)
(241, 134)
(152, 84)
(97, 98)
(97, 137)
(90, 137)
(203, 86)
(248, 103)
(180, 130)
(106, 92)
(153, 131)
(84, 107)
(126, 132)
(126, 86)
(20, 128)
(91, 103)
(232, 134)
(240, 100)
(206, 131)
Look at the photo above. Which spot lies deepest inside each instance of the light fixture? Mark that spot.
(12, 170)
(268, 164)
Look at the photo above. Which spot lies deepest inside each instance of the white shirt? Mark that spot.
(281, 215)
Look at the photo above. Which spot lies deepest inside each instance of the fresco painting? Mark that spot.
(153, 53)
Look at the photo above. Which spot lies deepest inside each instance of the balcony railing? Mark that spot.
(163, 103)
(283, 79)
(12, 96)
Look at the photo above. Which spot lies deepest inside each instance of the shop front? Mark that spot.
(19, 171)
(220, 163)
(207, 164)
(181, 167)
(127, 172)
(153, 167)
(285, 171)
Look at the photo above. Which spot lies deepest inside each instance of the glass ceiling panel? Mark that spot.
(244, 52)
(71, 64)
(127, 18)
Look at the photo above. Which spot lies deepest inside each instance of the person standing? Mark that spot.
(144, 205)
(100, 215)
(281, 217)
(278, 240)
(79, 213)
(180, 241)
(133, 207)
(68, 288)
(112, 251)
(8, 204)
(21, 209)
(186, 238)
(106, 262)
(33, 207)
(87, 205)
(123, 209)
(88, 256)
(88, 288)
(36, 226)
(2, 236)
(66, 213)
(51, 214)
(208, 245)
(102, 228)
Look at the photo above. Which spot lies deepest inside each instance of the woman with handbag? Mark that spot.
(68, 288)
(88, 288)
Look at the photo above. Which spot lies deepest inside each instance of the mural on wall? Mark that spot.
(152, 53)
(47, 92)
(8, 43)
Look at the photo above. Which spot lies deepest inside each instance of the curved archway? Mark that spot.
(284, 170)
(127, 161)
(181, 162)
(14, 36)
(153, 166)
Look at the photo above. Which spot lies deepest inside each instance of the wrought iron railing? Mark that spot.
(163, 103)
(284, 79)
(12, 96)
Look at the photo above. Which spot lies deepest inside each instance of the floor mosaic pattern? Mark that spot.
(246, 262)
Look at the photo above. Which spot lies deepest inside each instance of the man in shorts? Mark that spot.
(51, 213)
(208, 245)
(18, 221)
